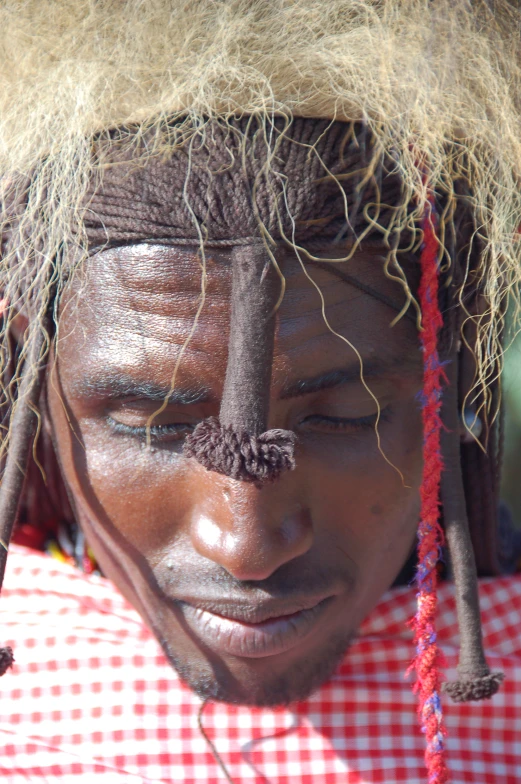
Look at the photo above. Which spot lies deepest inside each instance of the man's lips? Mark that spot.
(253, 632)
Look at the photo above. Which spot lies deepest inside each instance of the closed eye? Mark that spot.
(167, 433)
(320, 422)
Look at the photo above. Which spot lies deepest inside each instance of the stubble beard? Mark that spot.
(214, 681)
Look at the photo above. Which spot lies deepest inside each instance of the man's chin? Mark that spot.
(259, 687)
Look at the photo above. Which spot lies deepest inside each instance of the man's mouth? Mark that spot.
(253, 632)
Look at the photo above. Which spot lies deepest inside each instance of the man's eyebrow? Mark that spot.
(374, 368)
(117, 386)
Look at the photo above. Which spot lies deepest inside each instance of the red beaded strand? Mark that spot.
(430, 533)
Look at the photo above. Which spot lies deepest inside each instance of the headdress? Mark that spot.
(422, 96)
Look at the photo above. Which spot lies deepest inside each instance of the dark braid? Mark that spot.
(470, 482)
(475, 682)
(22, 427)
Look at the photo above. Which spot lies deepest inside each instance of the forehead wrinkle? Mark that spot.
(169, 308)
(141, 351)
(155, 269)
(313, 307)
(180, 305)
(363, 330)
(165, 334)
(151, 267)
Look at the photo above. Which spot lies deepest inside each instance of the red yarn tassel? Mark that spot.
(430, 534)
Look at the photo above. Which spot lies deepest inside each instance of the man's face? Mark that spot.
(254, 594)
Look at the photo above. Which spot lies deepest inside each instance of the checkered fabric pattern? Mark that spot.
(92, 700)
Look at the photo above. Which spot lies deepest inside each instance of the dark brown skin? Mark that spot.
(164, 529)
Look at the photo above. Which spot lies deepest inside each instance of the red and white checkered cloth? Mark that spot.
(92, 700)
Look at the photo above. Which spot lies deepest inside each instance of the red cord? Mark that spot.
(430, 534)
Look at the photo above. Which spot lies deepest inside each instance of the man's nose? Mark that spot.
(248, 531)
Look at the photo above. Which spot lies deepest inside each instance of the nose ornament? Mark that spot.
(237, 443)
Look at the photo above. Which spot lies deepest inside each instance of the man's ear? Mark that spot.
(18, 327)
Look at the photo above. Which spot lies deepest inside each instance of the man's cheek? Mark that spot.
(135, 493)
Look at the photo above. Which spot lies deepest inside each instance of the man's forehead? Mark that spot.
(137, 305)
(162, 276)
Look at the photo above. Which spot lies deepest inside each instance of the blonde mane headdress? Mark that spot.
(436, 83)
